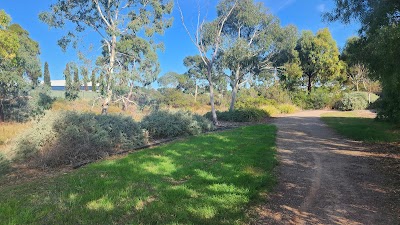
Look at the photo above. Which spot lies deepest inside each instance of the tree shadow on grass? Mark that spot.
(208, 179)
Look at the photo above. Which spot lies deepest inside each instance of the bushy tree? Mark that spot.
(19, 63)
(379, 45)
(112, 20)
(319, 57)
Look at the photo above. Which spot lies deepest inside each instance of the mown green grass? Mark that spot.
(208, 179)
(350, 125)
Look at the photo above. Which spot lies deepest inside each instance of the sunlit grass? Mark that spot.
(208, 179)
(350, 125)
(8, 131)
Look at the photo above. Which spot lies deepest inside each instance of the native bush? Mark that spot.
(355, 101)
(287, 108)
(71, 138)
(270, 110)
(164, 124)
(240, 115)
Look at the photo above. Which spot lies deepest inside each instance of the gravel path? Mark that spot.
(325, 179)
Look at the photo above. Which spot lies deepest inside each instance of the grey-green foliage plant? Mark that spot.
(66, 138)
(110, 20)
(378, 46)
(163, 124)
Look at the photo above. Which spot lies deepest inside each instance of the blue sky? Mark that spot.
(305, 14)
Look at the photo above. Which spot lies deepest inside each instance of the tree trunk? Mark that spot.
(309, 84)
(235, 88)
(2, 117)
(108, 98)
(126, 103)
(195, 93)
(213, 111)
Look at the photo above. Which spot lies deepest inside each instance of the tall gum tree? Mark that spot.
(207, 38)
(111, 19)
(252, 39)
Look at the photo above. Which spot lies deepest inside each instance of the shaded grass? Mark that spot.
(350, 125)
(208, 179)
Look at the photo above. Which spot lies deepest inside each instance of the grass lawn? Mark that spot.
(350, 125)
(207, 179)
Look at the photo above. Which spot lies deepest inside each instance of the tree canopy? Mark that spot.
(379, 45)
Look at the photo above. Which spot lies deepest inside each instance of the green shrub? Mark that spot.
(249, 102)
(287, 108)
(240, 115)
(355, 101)
(163, 124)
(319, 98)
(270, 110)
(4, 165)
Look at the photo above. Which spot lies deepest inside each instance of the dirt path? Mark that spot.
(325, 179)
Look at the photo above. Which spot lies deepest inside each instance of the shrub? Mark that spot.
(320, 98)
(250, 102)
(71, 138)
(270, 110)
(163, 124)
(240, 115)
(4, 165)
(287, 108)
(355, 101)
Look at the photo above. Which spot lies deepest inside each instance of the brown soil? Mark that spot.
(325, 179)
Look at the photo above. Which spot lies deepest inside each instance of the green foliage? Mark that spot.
(163, 124)
(33, 105)
(175, 98)
(378, 46)
(287, 108)
(248, 102)
(319, 99)
(350, 125)
(319, 57)
(270, 110)
(355, 101)
(240, 115)
(207, 179)
(70, 91)
(46, 76)
(4, 165)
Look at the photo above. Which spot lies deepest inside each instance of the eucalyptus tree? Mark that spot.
(19, 63)
(319, 57)
(379, 45)
(252, 40)
(207, 38)
(111, 19)
(195, 72)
